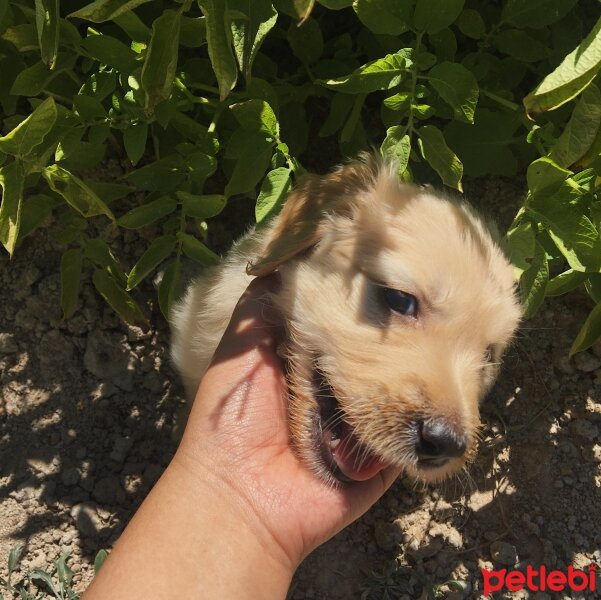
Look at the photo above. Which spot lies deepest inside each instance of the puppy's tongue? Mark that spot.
(353, 459)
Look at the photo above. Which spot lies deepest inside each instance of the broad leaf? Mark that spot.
(101, 556)
(134, 140)
(576, 71)
(257, 115)
(381, 74)
(197, 251)
(118, 299)
(441, 158)
(14, 557)
(163, 175)
(581, 130)
(110, 51)
(457, 87)
(75, 191)
(71, 265)
(545, 176)
(11, 180)
(432, 16)
(169, 287)
(397, 146)
(251, 21)
(30, 132)
(521, 243)
(274, 190)
(160, 63)
(160, 249)
(521, 46)
(247, 174)
(105, 10)
(35, 211)
(590, 332)
(202, 207)
(384, 16)
(565, 282)
(533, 282)
(306, 41)
(220, 50)
(535, 13)
(47, 20)
(144, 215)
(99, 253)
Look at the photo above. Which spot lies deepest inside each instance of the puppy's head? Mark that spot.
(398, 306)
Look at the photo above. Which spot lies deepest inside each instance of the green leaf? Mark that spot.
(24, 37)
(35, 211)
(71, 265)
(576, 71)
(63, 572)
(457, 87)
(160, 249)
(397, 146)
(471, 24)
(144, 215)
(101, 556)
(340, 107)
(381, 74)
(521, 46)
(98, 252)
(349, 130)
(110, 51)
(88, 107)
(565, 282)
(533, 282)
(246, 173)
(306, 41)
(197, 251)
(220, 49)
(105, 10)
(257, 115)
(30, 132)
(14, 556)
(39, 575)
(571, 230)
(11, 180)
(193, 32)
(485, 147)
(34, 79)
(590, 332)
(76, 192)
(47, 20)
(389, 17)
(169, 287)
(535, 13)
(335, 4)
(160, 64)
(581, 130)
(202, 166)
(593, 286)
(441, 158)
(251, 21)
(521, 244)
(133, 26)
(163, 175)
(274, 190)
(432, 16)
(545, 176)
(118, 299)
(134, 140)
(202, 207)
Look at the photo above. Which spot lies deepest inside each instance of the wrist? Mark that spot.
(233, 543)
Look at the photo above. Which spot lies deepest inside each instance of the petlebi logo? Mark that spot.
(540, 579)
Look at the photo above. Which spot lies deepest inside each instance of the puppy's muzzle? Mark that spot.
(437, 441)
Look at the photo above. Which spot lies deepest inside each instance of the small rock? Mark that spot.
(585, 428)
(108, 491)
(8, 344)
(121, 448)
(563, 364)
(87, 521)
(387, 535)
(586, 362)
(70, 477)
(504, 553)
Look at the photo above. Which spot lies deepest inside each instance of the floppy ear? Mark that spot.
(300, 224)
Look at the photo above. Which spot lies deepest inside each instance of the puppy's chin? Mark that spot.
(333, 448)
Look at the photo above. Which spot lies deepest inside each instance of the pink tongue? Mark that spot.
(352, 459)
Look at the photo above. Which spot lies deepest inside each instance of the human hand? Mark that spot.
(237, 443)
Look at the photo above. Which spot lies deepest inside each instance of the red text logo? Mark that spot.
(540, 580)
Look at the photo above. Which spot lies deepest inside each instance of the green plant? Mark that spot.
(39, 584)
(209, 102)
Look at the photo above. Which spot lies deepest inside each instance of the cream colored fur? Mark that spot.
(339, 239)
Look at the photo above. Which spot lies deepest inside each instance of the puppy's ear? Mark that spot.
(300, 224)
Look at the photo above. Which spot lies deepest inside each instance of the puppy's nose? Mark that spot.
(437, 440)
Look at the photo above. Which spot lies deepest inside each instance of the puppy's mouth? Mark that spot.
(341, 451)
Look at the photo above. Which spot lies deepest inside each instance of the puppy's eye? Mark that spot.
(400, 302)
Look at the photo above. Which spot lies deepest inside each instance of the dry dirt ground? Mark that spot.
(87, 407)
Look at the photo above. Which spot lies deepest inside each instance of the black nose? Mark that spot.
(437, 439)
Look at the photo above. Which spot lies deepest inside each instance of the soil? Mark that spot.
(87, 408)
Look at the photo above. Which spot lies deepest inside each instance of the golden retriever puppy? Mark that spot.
(397, 306)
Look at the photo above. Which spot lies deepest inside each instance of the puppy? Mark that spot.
(397, 306)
